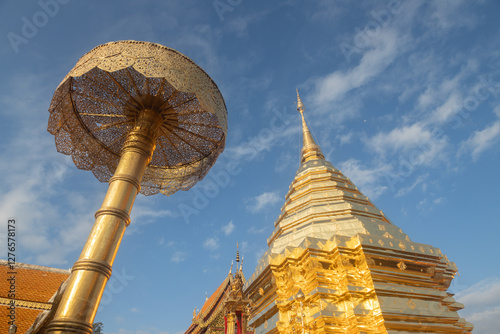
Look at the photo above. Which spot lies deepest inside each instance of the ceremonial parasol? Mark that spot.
(144, 118)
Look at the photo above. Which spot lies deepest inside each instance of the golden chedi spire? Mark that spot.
(310, 150)
(321, 201)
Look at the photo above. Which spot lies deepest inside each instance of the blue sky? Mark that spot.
(402, 96)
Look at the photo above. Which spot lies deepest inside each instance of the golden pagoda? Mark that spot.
(337, 264)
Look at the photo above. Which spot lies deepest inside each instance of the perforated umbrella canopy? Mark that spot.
(96, 105)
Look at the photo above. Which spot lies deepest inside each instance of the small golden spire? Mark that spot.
(310, 150)
(237, 257)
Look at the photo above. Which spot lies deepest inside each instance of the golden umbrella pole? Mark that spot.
(144, 118)
(91, 272)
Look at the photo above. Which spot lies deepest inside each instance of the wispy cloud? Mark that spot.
(255, 230)
(482, 140)
(368, 180)
(228, 229)
(482, 305)
(405, 190)
(53, 218)
(382, 50)
(239, 23)
(178, 256)
(404, 138)
(251, 148)
(410, 147)
(262, 201)
(443, 15)
(211, 243)
(144, 212)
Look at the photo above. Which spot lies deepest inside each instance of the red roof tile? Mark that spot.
(34, 284)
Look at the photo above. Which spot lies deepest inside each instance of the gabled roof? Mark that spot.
(211, 308)
(34, 287)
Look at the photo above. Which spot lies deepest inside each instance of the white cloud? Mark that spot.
(484, 294)
(345, 138)
(239, 24)
(54, 219)
(482, 140)
(416, 144)
(262, 201)
(382, 49)
(178, 256)
(368, 180)
(443, 97)
(404, 191)
(243, 246)
(399, 138)
(438, 200)
(144, 213)
(228, 229)
(482, 305)
(211, 243)
(255, 230)
(440, 89)
(444, 14)
(449, 108)
(264, 141)
(326, 11)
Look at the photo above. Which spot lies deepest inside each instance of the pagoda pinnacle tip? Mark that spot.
(310, 150)
(300, 105)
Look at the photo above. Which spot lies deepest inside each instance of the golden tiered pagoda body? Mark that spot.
(336, 264)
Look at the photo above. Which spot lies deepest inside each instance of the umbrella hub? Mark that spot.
(148, 121)
(144, 109)
(142, 137)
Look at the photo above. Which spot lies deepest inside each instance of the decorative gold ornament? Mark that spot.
(411, 304)
(402, 266)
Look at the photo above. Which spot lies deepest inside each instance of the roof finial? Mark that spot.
(237, 257)
(300, 106)
(310, 150)
(231, 269)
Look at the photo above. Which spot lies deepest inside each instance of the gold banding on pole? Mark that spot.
(144, 118)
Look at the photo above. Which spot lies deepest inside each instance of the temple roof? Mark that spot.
(211, 308)
(34, 288)
(208, 316)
